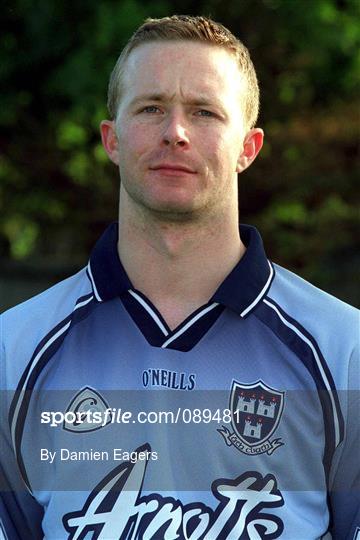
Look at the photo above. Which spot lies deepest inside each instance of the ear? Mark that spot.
(110, 140)
(252, 145)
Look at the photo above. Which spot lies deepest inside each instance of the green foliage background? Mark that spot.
(58, 190)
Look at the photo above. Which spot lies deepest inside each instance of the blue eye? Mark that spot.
(151, 109)
(204, 112)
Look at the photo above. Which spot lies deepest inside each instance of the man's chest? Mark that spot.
(157, 441)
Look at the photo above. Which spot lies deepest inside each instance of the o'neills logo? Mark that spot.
(116, 509)
(255, 414)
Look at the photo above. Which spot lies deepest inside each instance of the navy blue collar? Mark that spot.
(240, 291)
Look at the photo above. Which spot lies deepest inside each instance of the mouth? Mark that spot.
(171, 168)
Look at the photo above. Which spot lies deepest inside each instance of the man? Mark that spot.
(182, 386)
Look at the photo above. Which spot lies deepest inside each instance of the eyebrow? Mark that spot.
(197, 101)
(148, 97)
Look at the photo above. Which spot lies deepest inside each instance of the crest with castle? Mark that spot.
(262, 408)
(256, 410)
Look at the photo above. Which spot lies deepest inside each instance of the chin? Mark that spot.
(174, 211)
(168, 206)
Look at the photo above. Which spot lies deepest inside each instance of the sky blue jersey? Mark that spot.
(241, 423)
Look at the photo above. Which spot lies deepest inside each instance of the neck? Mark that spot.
(178, 265)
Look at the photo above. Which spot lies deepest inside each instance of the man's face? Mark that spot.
(180, 129)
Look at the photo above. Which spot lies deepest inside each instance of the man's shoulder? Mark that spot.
(299, 296)
(321, 320)
(25, 325)
(57, 298)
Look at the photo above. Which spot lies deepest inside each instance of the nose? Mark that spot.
(175, 132)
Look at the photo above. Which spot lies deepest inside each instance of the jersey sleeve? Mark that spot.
(345, 481)
(20, 514)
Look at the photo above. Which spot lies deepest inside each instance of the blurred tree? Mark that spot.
(57, 190)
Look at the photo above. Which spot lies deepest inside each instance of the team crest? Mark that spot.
(256, 410)
(86, 400)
